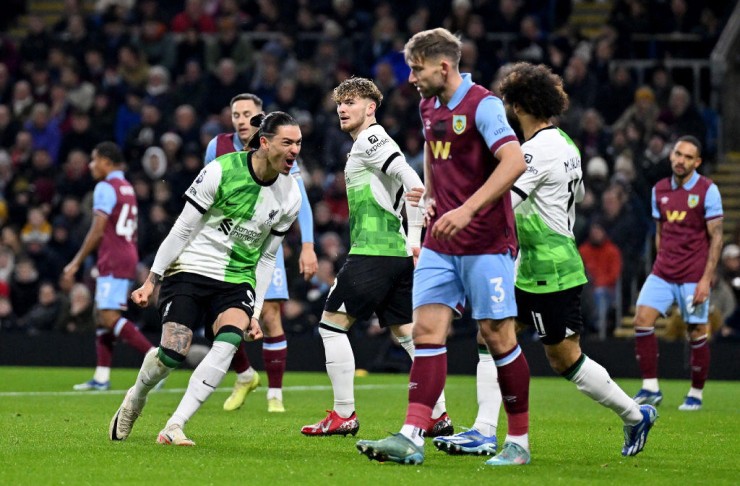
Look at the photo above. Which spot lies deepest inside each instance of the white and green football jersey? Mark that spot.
(550, 187)
(240, 211)
(375, 198)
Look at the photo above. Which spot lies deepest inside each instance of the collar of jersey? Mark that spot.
(254, 176)
(689, 185)
(116, 174)
(460, 92)
(238, 144)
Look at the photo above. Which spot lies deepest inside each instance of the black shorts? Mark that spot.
(194, 300)
(378, 284)
(555, 315)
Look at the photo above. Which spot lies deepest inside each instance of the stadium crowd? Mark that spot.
(156, 77)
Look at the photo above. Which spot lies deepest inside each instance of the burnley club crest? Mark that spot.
(458, 123)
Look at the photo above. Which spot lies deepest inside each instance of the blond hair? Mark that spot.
(433, 43)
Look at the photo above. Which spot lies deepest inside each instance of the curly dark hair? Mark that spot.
(535, 88)
(357, 87)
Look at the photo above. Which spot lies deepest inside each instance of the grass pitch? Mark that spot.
(51, 435)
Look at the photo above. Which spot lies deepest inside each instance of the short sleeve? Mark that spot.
(202, 191)
(654, 205)
(378, 149)
(490, 119)
(713, 203)
(536, 170)
(210, 151)
(104, 197)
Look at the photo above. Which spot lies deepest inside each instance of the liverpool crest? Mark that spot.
(693, 200)
(458, 123)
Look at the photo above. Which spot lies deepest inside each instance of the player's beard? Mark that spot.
(514, 122)
(347, 128)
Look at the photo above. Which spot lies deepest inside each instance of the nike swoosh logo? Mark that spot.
(209, 386)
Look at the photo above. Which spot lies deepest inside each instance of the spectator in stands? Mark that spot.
(614, 96)
(22, 100)
(132, 66)
(171, 143)
(593, 137)
(223, 85)
(155, 43)
(128, 115)
(44, 130)
(37, 228)
(47, 313)
(9, 127)
(507, 18)
(653, 164)
(157, 89)
(597, 176)
(625, 229)
(151, 235)
(144, 135)
(581, 86)
(79, 317)
(730, 273)
(24, 286)
(35, 44)
(184, 175)
(644, 111)
(7, 265)
(191, 88)
(8, 318)
(603, 262)
(190, 47)
(530, 43)
(103, 116)
(661, 84)
(6, 85)
(229, 43)
(40, 83)
(682, 116)
(74, 179)
(81, 136)
(195, 17)
(185, 125)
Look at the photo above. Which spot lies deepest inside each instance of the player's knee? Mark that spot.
(230, 334)
(697, 331)
(328, 330)
(107, 318)
(559, 361)
(271, 321)
(641, 320)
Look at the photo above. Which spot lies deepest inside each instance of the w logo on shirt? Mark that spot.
(440, 150)
(226, 226)
(675, 216)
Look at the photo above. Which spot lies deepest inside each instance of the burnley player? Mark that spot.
(687, 208)
(471, 159)
(274, 345)
(113, 234)
(550, 273)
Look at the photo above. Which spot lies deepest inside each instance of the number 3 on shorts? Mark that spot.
(498, 290)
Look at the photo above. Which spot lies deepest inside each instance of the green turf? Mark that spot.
(49, 435)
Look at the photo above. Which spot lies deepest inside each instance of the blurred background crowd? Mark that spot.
(156, 77)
